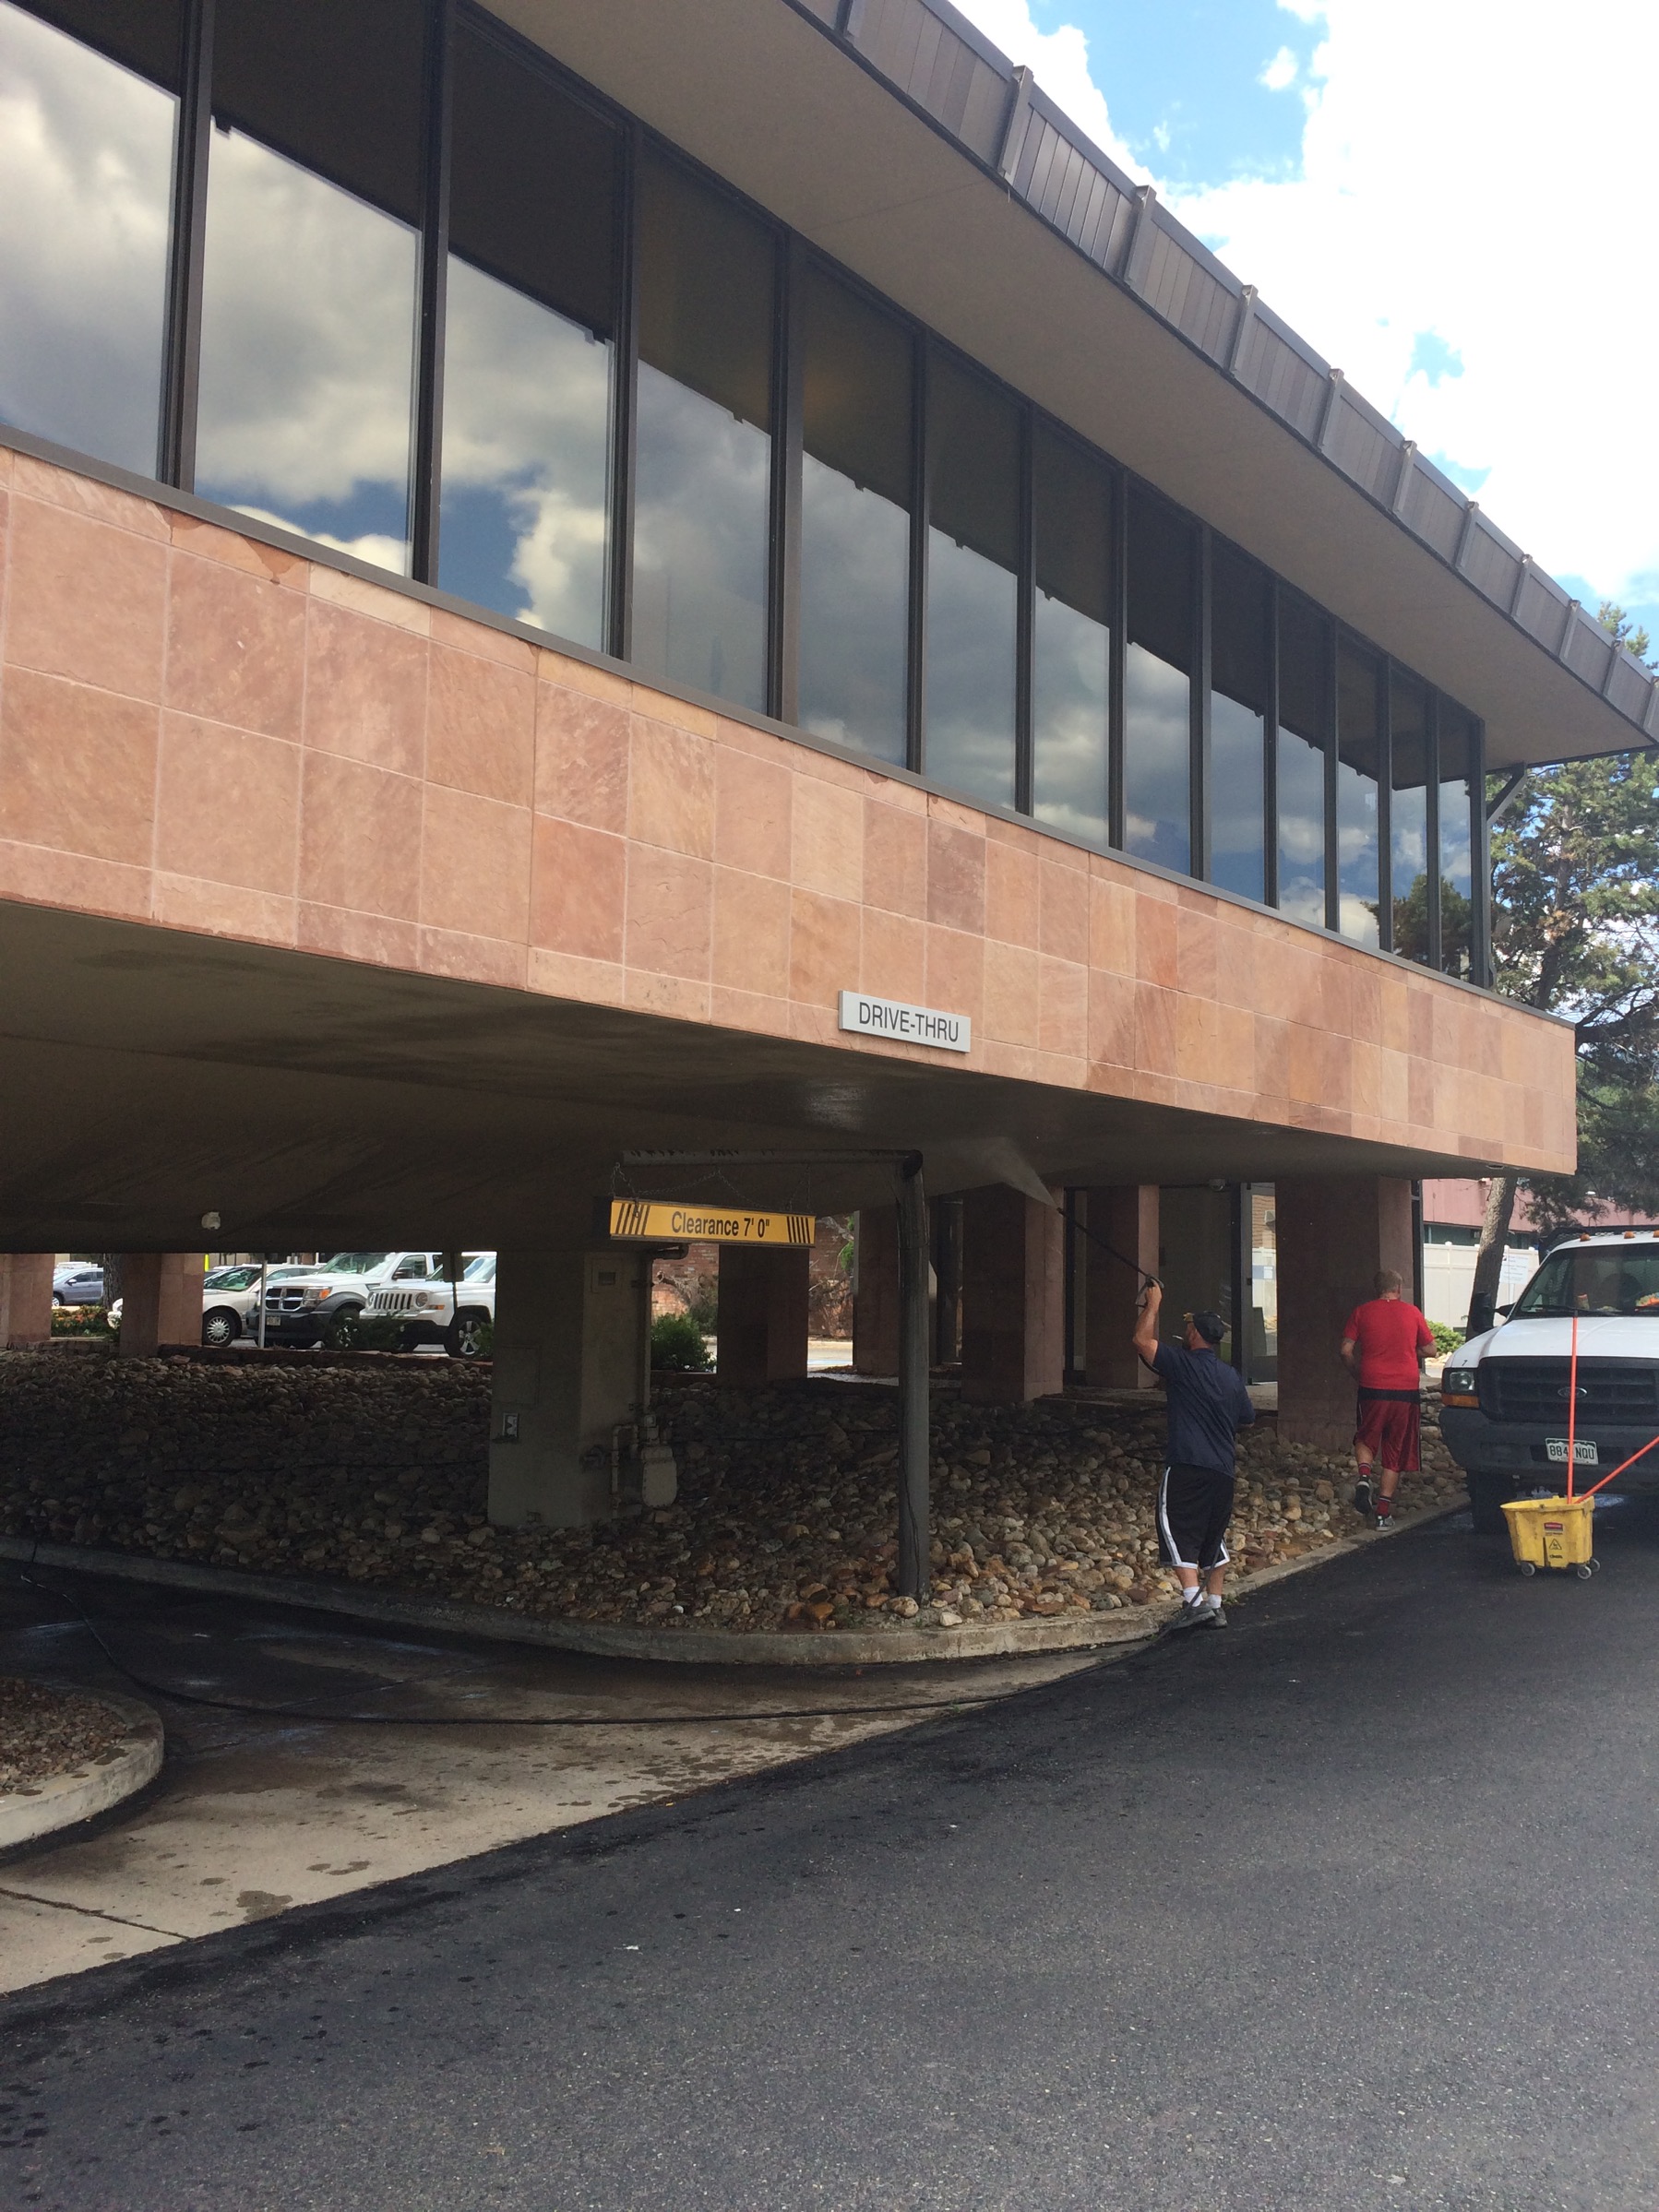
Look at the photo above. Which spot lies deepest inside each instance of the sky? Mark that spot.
(1453, 200)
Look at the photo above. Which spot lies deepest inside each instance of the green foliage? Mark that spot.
(703, 1308)
(1447, 1339)
(677, 1343)
(80, 1321)
(375, 1332)
(1612, 616)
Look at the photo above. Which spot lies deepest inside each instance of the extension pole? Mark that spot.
(914, 1540)
(1572, 1405)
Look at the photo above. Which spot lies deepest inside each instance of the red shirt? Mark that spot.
(1388, 1332)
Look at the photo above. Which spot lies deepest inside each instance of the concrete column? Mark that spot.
(25, 1299)
(1125, 1215)
(762, 1329)
(1334, 1234)
(570, 1370)
(876, 1292)
(160, 1301)
(1013, 1298)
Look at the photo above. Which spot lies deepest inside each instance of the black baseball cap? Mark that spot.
(1210, 1326)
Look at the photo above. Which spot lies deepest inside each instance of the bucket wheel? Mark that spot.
(1527, 1568)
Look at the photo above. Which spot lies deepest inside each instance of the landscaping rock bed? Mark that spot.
(786, 1519)
(45, 1733)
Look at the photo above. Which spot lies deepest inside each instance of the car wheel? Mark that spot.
(223, 1326)
(1487, 1492)
(344, 1330)
(464, 1337)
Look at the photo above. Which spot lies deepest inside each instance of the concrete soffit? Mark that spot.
(1239, 417)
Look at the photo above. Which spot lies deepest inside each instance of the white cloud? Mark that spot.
(1474, 171)
(1061, 61)
(1280, 71)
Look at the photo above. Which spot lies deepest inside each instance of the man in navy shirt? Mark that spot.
(1208, 1406)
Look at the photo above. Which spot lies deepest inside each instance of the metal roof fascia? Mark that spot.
(1152, 217)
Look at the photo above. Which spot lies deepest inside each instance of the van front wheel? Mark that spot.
(1487, 1492)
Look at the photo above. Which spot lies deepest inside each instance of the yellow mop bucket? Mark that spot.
(1552, 1532)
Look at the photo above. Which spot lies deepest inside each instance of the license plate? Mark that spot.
(1583, 1454)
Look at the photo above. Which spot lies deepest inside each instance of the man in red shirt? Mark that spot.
(1383, 1346)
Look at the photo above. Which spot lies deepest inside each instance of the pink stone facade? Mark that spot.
(202, 731)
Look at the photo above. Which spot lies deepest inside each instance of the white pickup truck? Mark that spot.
(1506, 1396)
(435, 1311)
(320, 1304)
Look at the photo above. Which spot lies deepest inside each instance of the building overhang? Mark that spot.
(904, 146)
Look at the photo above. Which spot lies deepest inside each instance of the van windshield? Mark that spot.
(1603, 1281)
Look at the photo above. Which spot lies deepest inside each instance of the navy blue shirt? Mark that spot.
(1208, 1404)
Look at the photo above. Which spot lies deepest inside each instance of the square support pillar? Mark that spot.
(571, 1370)
(1125, 1216)
(1013, 1298)
(160, 1301)
(25, 1299)
(876, 1292)
(1333, 1236)
(762, 1329)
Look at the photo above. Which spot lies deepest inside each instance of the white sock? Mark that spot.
(1211, 1601)
(1192, 1596)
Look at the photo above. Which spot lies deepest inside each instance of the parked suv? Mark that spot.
(320, 1304)
(432, 1314)
(1505, 1395)
(77, 1282)
(230, 1299)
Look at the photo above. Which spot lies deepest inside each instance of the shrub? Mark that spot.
(677, 1343)
(80, 1321)
(376, 1332)
(1446, 1339)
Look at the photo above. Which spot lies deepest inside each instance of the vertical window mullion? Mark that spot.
(1024, 623)
(1269, 766)
(1198, 711)
(427, 462)
(1480, 867)
(1385, 787)
(783, 614)
(176, 444)
(619, 611)
(1432, 839)
(921, 522)
(1120, 650)
(1333, 735)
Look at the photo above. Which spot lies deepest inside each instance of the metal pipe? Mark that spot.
(913, 1410)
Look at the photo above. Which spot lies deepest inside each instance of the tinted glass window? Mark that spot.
(1072, 636)
(1238, 668)
(1304, 716)
(1595, 1278)
(1157, 703)
(972, 560)
(856, 502)
(86, 185)
(1358, 754)
(309, 286)
(528, 346)
(1408, 815)
(1457, 788)
(703, 459)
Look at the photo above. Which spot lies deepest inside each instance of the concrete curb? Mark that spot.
(69, 1798)
(697, 1647)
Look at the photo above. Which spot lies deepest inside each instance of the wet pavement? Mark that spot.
(254, 1812)
(1349, 1907)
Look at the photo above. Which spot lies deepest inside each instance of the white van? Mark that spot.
(1506, 1396)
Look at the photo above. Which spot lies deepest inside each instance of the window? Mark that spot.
(702, 484)
(86, 180)
(855, 519)
(1606, 1280)
(1358, 751)
(1459, 783)
(1408, 814)
(1072, 636)
(1240, 611)
(1304, 659)
(311, 269)
(529, 346)
(1157, 687)
(972, 588)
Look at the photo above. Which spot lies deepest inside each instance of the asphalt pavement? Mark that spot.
(1351, 1904)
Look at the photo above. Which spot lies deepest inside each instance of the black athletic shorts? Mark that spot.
(1195, 1504)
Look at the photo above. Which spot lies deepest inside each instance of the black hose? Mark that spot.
(276, 1712)
(1095, 1238)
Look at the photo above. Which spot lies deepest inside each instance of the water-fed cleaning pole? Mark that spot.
(1572, 1403)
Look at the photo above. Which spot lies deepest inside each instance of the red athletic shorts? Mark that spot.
(1390, 1425)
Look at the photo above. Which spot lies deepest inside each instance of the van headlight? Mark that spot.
(1460, 1386)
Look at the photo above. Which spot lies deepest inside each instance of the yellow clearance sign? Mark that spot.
(706, 1224)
